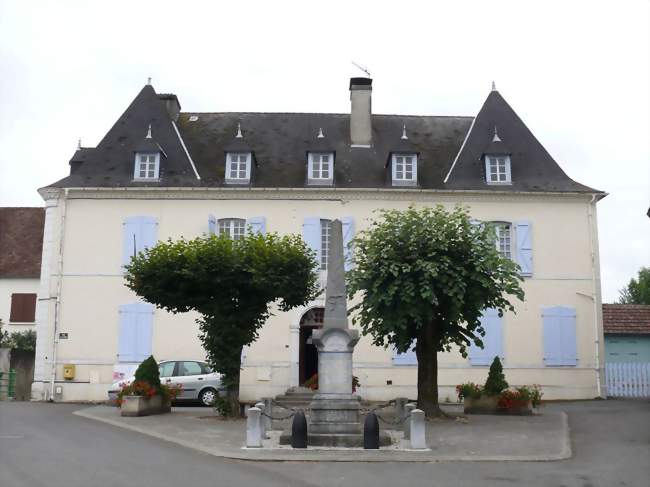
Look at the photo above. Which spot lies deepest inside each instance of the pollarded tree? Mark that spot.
(426, 275)
(231, 283)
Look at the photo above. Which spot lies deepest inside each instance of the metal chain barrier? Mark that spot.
(393, 423)
(276, 418)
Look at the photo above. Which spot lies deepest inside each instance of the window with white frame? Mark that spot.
(405, 169)
(325, 231)
(235, 228)
(320, 167)
(238, 167)
(497, 169)
(147, 165)
(504, 239)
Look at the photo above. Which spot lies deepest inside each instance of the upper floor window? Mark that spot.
(235, 228)
(325, 227)
(238, 167)
(320, 168)
(497, 169)
(504, 239)
(405, 169)
(147, 166)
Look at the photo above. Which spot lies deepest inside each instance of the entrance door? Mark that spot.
(308, 357)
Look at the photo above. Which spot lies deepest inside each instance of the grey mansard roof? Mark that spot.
(280, 143)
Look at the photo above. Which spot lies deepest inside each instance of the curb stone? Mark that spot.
(341, 455)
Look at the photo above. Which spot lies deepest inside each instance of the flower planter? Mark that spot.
(490, 405)
(144, 406)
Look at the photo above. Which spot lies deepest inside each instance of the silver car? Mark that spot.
(199, 382)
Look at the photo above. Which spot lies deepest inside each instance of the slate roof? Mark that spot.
(21, 242)
(626, 319)
(280, 143)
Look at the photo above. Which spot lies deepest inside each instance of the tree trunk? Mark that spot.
(428, 372)
(231, 381)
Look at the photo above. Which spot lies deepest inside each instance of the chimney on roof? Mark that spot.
(360, 111)
(172, 105)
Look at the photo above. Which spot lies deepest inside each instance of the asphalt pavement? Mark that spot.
(47, 445)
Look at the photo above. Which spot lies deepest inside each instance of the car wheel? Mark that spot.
(208, 396)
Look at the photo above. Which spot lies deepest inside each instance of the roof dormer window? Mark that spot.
(405, 169)
(147, 166)
(320, 167)
(497, 169)
(238, 167)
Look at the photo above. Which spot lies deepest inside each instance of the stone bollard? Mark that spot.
(260, 406)
(268, 409)
(253, 429)
(406, 425)
(418, 437)
(400, 407)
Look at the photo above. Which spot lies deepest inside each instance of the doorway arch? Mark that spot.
(307, 352)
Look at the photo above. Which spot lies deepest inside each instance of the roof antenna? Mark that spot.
(404, 136)
(148, 132)
(239, 135)
(496, 135)
(320, 133)
(494, 86)
(362, 68)
(149, 80)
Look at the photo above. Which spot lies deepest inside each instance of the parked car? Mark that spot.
(199, 382)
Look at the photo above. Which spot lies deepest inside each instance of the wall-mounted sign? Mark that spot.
(63, 336)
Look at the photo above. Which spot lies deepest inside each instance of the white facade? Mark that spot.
(82, 287)
(9, 286)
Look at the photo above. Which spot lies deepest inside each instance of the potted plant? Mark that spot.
(146, 395)
(495, 397)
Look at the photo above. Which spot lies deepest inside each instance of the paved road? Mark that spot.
(45, 445)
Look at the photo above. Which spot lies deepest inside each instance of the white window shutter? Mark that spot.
(311, 234)
(406, 358)
(212, 225)
(257, 224)
(347, 224)
(492, 341)
(144, 330)
(524, 233)
(127, 339)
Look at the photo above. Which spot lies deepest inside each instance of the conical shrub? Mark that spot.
(148, 372)
(496, 380)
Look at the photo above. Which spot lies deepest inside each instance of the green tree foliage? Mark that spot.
(231, 283)
(638, 290)
(426, 275)
(18, 340)
(148, 372)
(496, 380)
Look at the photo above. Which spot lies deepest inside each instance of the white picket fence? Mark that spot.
(630, 379)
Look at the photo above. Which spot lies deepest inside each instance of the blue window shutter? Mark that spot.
(559, 323)
(492, 341)
(127, 339)
(212, 225)
(407, 358)
(312, 236)
(347, 223)
(138, 233)
(144, 330)
(257, 224)
(524, 233)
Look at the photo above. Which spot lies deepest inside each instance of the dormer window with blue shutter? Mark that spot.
(320, 168)
(238, 167)
(405, 169)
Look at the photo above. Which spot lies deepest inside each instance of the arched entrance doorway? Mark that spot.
(308, 354)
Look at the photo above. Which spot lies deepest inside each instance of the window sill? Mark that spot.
(404, 182)
(145, 180)
(239, 182)
(22, 322)
(499, 183)
(320, 182)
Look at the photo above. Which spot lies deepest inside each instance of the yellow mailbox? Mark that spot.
(68, 371)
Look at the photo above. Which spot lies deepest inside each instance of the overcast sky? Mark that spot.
(577, 73)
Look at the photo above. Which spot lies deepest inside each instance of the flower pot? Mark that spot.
(144, 406)
(481, 405)
(517, 408)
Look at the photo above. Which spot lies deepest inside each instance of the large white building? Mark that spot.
(161, 173)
